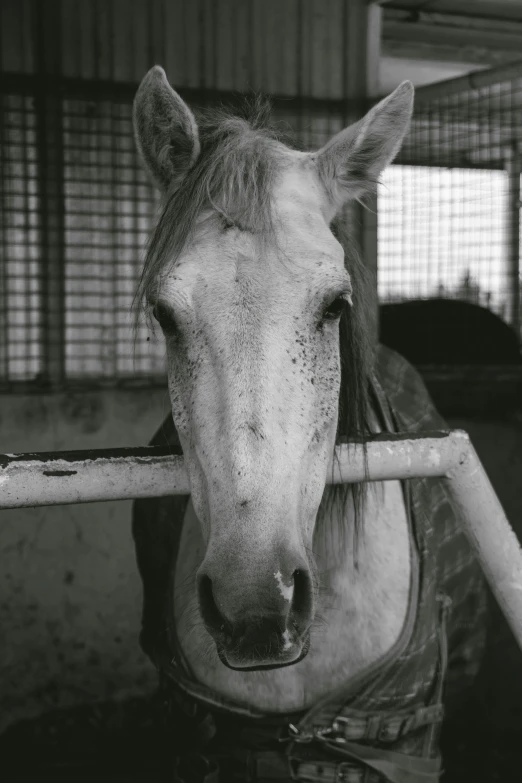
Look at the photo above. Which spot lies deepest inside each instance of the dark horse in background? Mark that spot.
(447, 332)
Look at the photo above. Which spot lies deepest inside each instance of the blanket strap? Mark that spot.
(353, 725)
(394, 767)
(269, 766)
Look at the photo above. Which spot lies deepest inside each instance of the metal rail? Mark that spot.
(116, 474)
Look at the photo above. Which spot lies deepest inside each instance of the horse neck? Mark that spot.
(360, 610)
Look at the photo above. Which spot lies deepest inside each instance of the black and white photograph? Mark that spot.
(260, 391)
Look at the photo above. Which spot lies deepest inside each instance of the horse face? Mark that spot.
(251, 320)
(253, 365)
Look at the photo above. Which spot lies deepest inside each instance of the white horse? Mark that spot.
(283, 589)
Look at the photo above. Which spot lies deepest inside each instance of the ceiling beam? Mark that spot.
(414, 34)
(490, 10)
(416, 50)
(453, 36)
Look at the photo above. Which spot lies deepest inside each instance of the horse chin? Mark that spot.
(238, 665)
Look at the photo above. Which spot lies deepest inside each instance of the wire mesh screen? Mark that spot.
(448, 220)
(109, 207)
(75, 206)
(20, 248)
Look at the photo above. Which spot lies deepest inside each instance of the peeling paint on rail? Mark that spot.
(140, 453)
(60, 472)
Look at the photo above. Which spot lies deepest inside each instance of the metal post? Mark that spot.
(4, 248)
(363, 27)
(489, 533)
(513, 168)
(51, 191)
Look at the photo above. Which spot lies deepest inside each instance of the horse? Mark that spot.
(447, 331)
(301, 631)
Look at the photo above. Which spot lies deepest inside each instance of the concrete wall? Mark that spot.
(70, 593)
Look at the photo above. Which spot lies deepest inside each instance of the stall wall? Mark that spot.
(70, 594)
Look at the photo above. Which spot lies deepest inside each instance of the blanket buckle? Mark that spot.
(316, 734)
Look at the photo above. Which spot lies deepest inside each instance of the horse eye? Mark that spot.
(335, 309)
(165, 318)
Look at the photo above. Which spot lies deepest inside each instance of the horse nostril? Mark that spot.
(302, 598)
(211, 615)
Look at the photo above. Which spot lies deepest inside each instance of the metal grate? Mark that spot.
(20, 247)
(109, 206)
(442, 233)
(82, 207)
(448, 220)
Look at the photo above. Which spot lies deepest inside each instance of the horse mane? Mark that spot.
(241, 153)
(356, 352)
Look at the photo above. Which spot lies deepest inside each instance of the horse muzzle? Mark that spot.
(258, 624)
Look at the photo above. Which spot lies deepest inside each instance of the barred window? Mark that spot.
(448, 218)
(76, 210)
(109, 207)
(20, 248)
(442, 233)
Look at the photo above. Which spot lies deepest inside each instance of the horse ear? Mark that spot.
(165, 130)
(350, 164)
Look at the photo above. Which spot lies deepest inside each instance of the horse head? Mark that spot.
(251, 287)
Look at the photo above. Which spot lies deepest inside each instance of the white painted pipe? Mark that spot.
(489, 533)
(109, 474)
(56, 478)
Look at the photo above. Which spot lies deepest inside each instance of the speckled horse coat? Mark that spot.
(383, 726)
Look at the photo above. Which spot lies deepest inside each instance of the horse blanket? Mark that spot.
(385, 724)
